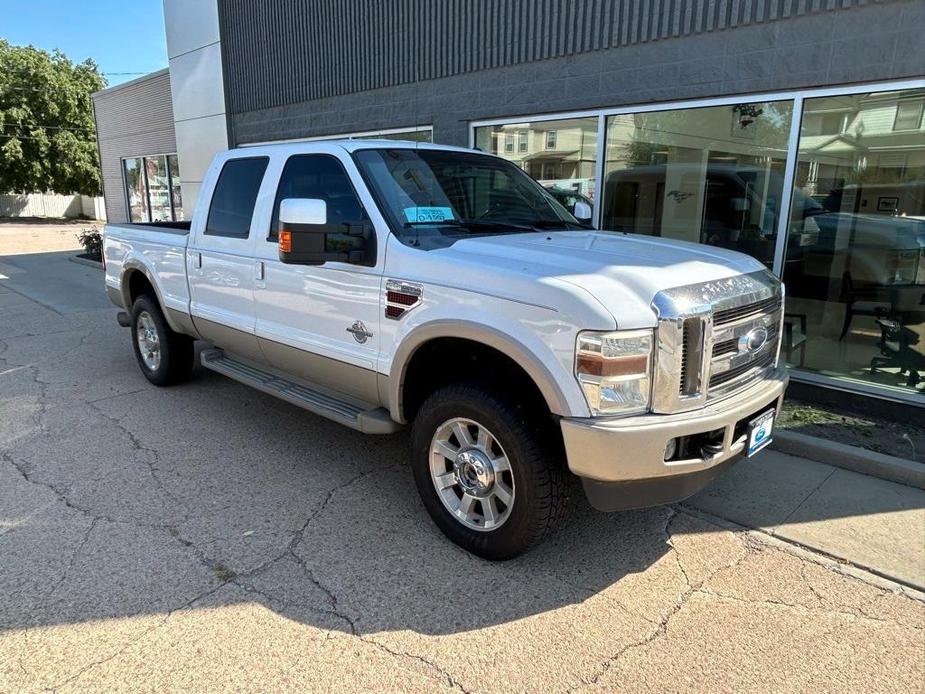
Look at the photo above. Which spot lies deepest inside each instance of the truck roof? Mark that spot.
(351, 145)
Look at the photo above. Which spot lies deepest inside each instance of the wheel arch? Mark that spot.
(135, 278)
(442, 332)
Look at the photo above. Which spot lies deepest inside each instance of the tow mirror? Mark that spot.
(306, 237)
(582, 212)
(303, 211)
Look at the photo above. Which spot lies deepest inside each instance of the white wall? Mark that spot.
(51, 205)
(197, 88)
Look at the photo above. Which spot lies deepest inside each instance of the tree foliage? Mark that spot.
(47, 132)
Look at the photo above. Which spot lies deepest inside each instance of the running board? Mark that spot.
(369, 420)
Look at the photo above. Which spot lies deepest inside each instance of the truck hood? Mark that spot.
(621, 271)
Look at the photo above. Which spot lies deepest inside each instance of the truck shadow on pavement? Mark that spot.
(118, 499)
(212, 494)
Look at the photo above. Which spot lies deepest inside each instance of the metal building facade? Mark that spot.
(295, 70)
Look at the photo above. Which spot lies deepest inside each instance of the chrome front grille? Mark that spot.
(731, 315)
(715, 338)
(721, 349)
(733, 374)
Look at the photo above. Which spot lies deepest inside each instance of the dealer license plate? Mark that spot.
(759, 432)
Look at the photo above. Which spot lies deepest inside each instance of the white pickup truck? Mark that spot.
(380, 283)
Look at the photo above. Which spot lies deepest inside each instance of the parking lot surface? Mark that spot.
(209, 537)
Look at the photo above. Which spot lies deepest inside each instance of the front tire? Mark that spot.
(490, 475)
(165, 357)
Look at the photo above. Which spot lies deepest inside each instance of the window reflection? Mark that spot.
(855, 260)
(152, 188)
(710, 175)
(158, 188)
(176, 191)
(560, 154)
(135, 189)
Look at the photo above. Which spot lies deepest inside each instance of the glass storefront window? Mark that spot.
(855, 259)
(176, 192)
(152, 188)
(560, 154)
(711, 175)
(135, 189)
(158, 188)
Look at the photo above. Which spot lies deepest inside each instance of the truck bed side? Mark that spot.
(158, 251)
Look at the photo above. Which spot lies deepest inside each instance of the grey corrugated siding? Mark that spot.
(132, 120)
(289, 51)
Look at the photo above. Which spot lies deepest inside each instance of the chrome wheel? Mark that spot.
(472, 474)
(149, 344)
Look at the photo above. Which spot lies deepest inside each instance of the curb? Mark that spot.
(861, 460)
(85, 261)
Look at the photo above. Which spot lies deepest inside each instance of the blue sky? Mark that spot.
(120, 35)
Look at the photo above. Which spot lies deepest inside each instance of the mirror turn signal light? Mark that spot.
(285, 241)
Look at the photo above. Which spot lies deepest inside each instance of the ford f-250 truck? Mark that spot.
(381, 284)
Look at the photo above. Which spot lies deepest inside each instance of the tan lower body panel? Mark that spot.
(231, 340)
(181, 322)
(115, 296)
(339, 376)
(352, 381)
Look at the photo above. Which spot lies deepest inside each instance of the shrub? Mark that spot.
(92, 241)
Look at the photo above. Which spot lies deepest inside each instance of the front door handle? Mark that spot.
(196, 260)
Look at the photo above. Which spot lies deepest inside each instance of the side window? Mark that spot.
(234, 198)
(322, 177)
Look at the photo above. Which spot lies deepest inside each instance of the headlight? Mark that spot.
(614, 370)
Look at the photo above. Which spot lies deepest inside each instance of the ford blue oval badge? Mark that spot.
(753, 340)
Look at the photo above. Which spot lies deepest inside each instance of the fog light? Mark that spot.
(671, 449)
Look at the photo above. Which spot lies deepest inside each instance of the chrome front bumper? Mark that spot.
(622, 461)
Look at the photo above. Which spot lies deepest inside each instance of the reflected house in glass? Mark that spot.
(709, 175)
(855, 264)
(152, 188)
(558, 153)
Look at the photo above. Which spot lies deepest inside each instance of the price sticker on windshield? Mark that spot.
(428, 214)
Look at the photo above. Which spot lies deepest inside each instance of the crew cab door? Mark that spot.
(220, 258)
(321, 322)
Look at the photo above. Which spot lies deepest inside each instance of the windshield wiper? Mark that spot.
(473, 225)
(486, 225)
(559, 224)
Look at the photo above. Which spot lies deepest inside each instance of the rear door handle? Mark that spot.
(259, 271)
(196, 259)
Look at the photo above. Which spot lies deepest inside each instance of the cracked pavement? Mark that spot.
(208, 537)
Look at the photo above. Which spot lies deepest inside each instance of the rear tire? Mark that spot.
(165, 357)
(468, 441)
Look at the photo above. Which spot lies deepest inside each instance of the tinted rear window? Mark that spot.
(235, 196)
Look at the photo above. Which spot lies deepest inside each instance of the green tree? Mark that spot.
(47, 132)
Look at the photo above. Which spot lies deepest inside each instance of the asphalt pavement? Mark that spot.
(208, 537)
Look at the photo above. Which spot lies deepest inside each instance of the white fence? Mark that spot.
(49, 205)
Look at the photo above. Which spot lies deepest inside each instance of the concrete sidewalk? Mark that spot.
(870, 523)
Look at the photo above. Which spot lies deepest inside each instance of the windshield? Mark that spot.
(432, 198)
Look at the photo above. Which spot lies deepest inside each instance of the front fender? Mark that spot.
(542, 348)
